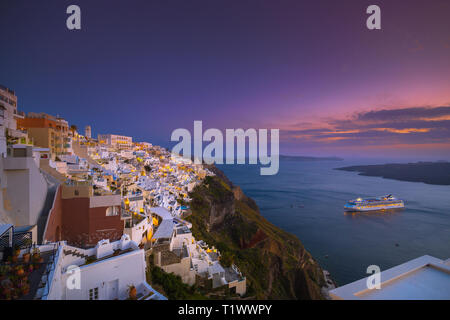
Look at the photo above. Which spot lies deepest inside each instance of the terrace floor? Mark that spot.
(36, 276)
(427, 283)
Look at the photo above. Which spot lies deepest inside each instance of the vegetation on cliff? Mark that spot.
(172, 286)
(276, 264)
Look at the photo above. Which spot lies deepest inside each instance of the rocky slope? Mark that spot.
(276, 264)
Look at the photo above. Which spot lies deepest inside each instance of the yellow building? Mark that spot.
(47, 131)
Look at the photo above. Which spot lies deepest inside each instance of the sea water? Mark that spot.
(306, 198)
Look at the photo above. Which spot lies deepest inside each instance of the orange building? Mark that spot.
(82, 218)
(47, 131)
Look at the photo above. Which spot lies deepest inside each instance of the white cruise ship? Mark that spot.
(379, 203)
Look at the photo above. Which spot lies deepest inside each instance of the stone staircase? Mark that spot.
(75, 253)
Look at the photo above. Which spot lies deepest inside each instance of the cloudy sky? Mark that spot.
(408, 131)
(311, 68)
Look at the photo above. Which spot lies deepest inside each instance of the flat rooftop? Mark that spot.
(231, 275)
(164, 230)
(162, 212)
(424, 278)
(427, 283)
(4, 228)
(183, 230)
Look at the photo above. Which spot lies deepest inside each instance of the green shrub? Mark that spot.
(173, 286)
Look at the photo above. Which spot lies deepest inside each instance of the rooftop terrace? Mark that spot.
(424, 278)
(427, 283)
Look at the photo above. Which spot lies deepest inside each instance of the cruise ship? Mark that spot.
(379, 203)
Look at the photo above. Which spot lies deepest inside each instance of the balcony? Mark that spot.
(19, 114)
(146, 292)
(77, 183)
(36, 268)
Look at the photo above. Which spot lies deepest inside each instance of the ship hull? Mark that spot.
(363, 208)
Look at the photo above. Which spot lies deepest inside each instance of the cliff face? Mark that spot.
(276, 264)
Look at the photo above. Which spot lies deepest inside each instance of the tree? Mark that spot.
(73, 128)
(227, 259)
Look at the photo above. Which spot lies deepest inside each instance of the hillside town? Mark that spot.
(84, 218)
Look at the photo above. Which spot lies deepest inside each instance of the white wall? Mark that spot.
(138, 230)
(26, 192)
(182, 269)
(126, 269)
(2, 141)
(122, 270)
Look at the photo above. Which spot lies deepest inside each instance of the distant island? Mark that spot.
(437, 173)
(303, 158)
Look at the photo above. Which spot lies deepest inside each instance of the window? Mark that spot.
(93, 294)
(112, 211)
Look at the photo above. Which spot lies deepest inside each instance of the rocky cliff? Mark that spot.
(276, 264)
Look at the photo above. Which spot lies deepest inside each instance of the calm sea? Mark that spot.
(307, 199)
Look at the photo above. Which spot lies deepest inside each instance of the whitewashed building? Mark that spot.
(116, 141)
(104, 272)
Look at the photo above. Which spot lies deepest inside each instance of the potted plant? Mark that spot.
(26, 290)
(26, 257)
(22, 287)
(132, 292)
(36, 255)
(19, 271)
(5, 292)
(16, 251)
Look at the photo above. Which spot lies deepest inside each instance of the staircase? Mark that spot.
(75, 253)
(52, 188)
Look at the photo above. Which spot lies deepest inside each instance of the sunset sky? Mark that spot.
(311, 68)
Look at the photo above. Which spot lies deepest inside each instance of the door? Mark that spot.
(113, 289)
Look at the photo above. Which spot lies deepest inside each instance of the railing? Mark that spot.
(21, 240)
(76, 183)
(49, 270)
